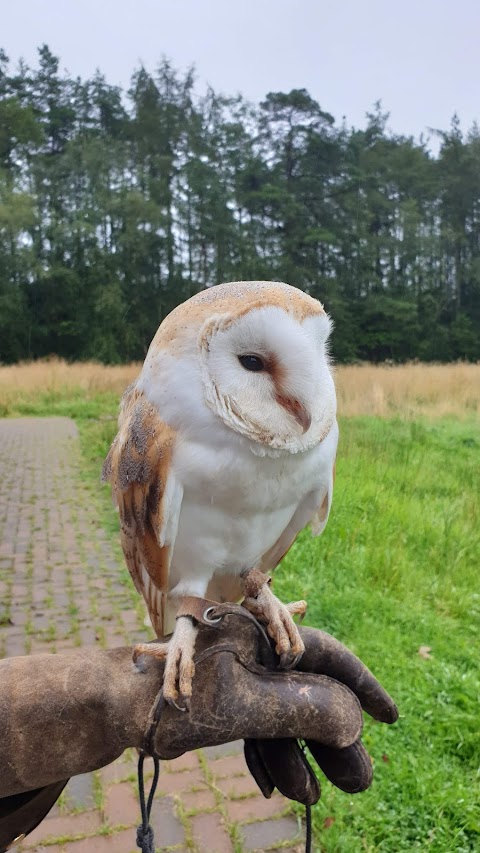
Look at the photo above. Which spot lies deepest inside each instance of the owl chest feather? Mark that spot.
(236, 504)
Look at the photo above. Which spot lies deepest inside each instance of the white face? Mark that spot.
(267, 376)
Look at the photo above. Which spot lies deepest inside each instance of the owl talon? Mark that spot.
(297, 608)
(174, 704)
(154, 650)
(287, 662)
(278, 619)
(179, 666)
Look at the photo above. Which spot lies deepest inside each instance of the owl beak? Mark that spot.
(303, 418)
(299, 412)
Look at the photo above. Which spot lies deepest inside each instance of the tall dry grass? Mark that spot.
(408, 390)
(56, 377)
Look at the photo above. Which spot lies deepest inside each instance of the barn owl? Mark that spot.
(225, 451)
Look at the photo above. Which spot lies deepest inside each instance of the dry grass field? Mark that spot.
(406, 391)
(55, 376)
(409, 390)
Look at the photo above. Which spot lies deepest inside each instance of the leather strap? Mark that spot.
(196, 608)
(253, 582)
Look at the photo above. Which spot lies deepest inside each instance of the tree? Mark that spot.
(116, 206)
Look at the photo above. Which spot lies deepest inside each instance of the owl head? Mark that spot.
(258, 358)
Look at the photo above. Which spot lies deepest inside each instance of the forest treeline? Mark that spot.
(117, 205)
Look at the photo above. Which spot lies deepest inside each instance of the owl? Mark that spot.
(225, 451)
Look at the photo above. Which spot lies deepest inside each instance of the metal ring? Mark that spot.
(207, 619)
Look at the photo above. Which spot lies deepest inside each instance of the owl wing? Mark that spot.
(139, 468)
(314, 509)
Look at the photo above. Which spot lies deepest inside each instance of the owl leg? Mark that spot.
(178, 656)
(277, 617)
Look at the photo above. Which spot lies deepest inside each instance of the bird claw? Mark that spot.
(179, 665)
(278, 619)
(155, 650)
(286, 661)
(297, 608)
(183, 708)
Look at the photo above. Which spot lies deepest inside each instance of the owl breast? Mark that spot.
(236, 505)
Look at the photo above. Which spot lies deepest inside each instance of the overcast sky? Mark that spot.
(420, 57)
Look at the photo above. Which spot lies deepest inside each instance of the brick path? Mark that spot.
(62, 586)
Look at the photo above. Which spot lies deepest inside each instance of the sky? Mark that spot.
(421, 58)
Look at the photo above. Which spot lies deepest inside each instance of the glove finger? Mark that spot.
(21, 813)
(289, 770)
(349, 769)
(323, 654)
(257, 768)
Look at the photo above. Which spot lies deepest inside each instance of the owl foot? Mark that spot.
(179, 666)
(278, 619)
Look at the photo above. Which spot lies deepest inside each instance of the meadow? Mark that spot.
(395, 577)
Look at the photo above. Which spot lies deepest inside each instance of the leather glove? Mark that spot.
(282, 763)
(62, 715)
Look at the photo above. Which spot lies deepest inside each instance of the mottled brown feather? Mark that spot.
(137, 466)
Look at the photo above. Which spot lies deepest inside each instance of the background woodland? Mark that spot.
(117, 205)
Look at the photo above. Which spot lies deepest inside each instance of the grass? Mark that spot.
(396, 569)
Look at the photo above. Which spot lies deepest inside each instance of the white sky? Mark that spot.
(420, 57)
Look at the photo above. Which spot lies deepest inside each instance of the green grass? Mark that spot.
(396, 569)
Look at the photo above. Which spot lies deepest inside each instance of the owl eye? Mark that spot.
(252, 362)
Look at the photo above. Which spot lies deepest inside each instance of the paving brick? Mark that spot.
(255, 808)
(231, 748)
(210, 834)
(197, 800)
(237, 786)
(79, 792)
(188, 761)
(67, 826)
(233, 765)
(65, 645)
(121, 805)
(267, 833)
(176, 783)
(167, 828)
(14, 645)
(87, 635)
(118, 771)
(119, 842)
(38, 647)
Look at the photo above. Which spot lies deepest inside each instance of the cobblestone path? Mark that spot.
(62, 586)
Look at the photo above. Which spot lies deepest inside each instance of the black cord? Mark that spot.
(145, 839)
(308, 830)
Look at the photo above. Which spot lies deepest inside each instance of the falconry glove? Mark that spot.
(67, 714)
